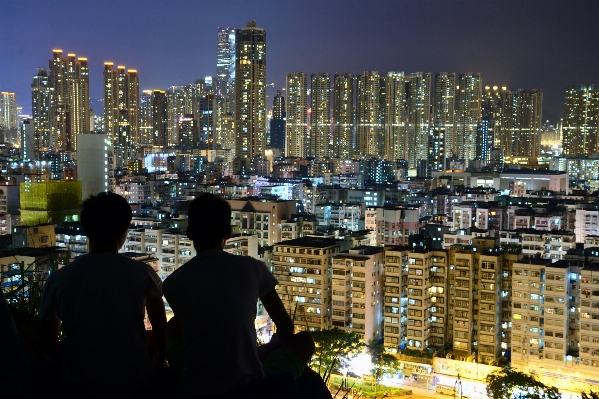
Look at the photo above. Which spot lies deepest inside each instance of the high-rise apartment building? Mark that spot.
(41, 99)
(368, 115)
(580, 124)
(250, 91)
(484, 139)
(395, 117)
(545, 328)
(302, 267)
(297, 139)
(145, 118)
(415, 312)
(207, 122)
(419, 112)
(188, 133)
(443, 119)
(278, 122)
(159, 118)
(528, 110)
(176, 109)
(343, 115)
(320, 115)
(9, 121)
(70, 111)
(468, 114)
(28, 150)
(95, 163)
(357, 291)
(121, 105)
(225, 67)
(498, 108)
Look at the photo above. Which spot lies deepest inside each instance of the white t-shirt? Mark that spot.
(100, 299)
(214, 297)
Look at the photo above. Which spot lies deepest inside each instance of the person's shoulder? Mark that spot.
(126, 261)
(68, 268)
(179, 274)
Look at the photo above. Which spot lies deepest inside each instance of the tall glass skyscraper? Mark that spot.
(225, 67)
(277, 123)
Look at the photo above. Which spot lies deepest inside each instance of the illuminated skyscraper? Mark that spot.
(250, 91)
(121, 105)
(297, 115)
(176, 109)
(9, 121)
(69, 109)
(278, 122)
(484, 139)
(41, 98)
(320, 117)
(581, 113)
(145, 118)
(498, 108)
(419, 112)
(207, 121)
(395, 117)
(225, 67)
(468, 114)
(528, 109)
(443, 109)
(436, 149)
(343, 116)
(188, 133)
(159, 118)
(368, 115)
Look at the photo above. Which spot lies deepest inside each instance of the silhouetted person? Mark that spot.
(100, 298)
(14, 365)
(214, 297)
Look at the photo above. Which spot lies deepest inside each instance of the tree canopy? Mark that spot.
(332, 346)
(382, 362)
(507, 383)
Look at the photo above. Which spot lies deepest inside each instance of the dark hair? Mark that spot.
(209, 219)
(105, 217)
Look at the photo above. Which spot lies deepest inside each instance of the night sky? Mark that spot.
(519, 44)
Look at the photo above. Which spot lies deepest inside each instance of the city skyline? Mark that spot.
(542, 60)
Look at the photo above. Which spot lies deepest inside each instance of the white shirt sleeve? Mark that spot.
(266, 280)
(154, 283)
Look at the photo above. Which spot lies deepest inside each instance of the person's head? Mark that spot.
(105, 218)
(209, 220)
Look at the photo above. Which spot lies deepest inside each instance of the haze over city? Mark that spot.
(530, 45)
